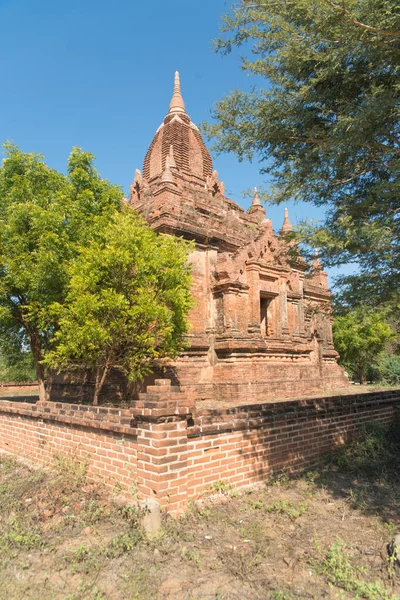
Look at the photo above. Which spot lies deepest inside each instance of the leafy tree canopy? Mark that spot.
(389, 368)
(127, 301)
(16, 364)
(359, 337)
(44, 216)
(326, 125)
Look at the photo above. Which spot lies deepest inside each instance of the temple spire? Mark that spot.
(287, 226)
(316, 262)
(317, 275)
(256, 199)
(256, 209)
(177, 104)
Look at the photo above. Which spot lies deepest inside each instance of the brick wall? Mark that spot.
(164, 449)
(243, 445)
(104, 438)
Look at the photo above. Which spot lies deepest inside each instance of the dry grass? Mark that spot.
(323, 535)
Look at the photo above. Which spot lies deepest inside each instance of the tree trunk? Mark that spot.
(37, 358)
(99, 381)
(361, 375)
(49, 385)
(42, 389)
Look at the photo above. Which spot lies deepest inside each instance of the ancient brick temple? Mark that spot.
(261, 330)
(261, 326)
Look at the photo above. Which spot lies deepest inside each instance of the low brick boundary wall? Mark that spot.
(103, 438)
(163, 449)
(244, 445)
(12, 384)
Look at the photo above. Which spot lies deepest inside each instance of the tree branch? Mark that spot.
(377, 30)
(356, 176)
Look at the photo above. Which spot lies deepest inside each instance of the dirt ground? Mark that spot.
(23, 393)
(323, 535)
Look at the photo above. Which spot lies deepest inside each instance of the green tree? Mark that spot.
(44, 216)
(359, 337)
(326, 125)
(127, 302)
(16, 364)
(389, 368)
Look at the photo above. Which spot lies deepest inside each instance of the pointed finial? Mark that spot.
(287, 226)
(177, 104)
(256, 199)
(317, 275)
(167, 176)
(316, 262)
(256, 209)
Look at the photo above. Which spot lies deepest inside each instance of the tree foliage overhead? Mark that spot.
(127, 302)
(326, 125)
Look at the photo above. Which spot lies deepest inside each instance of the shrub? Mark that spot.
(389, 369)
(373, 449)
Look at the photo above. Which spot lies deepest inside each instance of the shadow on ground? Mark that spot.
(366, 473)
(30, 399)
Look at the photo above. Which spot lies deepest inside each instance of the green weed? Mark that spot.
(256, 532)
(132, 514)
(192, 556)
(86, 591)
(140, 584)
(279, 595)
(371, 451)
(82, 560)
(310, 477)
(390, 527)
(7, 464)
(358, 499)
(287, 508)
(220, 486)
(92, 512)
(71, 469)
(37, 476)
(255, 504)
(280, 479)
(20, 535)
(339, 571)
(122, 544)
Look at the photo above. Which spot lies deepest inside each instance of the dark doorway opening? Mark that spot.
(265, 316)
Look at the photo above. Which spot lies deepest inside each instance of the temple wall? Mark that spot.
(257, 379)
(202, 315)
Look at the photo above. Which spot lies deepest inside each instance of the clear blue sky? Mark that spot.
(99, 75)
